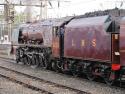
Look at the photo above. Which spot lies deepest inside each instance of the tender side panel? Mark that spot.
(122, 42)
(86, 38)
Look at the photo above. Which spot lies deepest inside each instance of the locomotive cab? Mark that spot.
(58, 36)
(55, 44)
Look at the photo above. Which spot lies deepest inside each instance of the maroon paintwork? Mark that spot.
(32, 32)
(115, 48)
(38, 31)
(86, 38)
(55, 47)
(122, 42)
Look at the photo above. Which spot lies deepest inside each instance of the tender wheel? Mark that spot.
(108, 77)
(65, 67)
(75, 69)
(59, 66)
(89, 74)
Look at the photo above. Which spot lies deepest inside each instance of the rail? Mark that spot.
(39, 80)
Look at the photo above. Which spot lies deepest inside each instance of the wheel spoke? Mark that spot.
(75, 70)
(89, 74)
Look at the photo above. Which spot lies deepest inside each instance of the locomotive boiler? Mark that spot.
(32, 42)
(90, 45)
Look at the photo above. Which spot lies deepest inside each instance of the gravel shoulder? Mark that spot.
(8, 87)
(41, 85)
(77, 83)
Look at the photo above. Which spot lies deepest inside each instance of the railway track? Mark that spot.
(115, 86)
(37, 84)
(26, 85)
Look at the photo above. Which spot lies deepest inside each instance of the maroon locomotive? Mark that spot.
(91, 45)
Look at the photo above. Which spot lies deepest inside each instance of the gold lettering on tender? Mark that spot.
(83, 43)
(94, 42)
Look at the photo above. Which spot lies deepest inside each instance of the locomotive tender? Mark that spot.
(91, 45)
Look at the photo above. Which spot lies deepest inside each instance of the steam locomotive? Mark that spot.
(94, 46)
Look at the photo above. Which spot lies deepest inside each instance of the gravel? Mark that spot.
(8, 87)
(77, 83)
(36, 83)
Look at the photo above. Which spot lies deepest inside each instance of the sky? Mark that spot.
(75, 7)
(79, 7)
